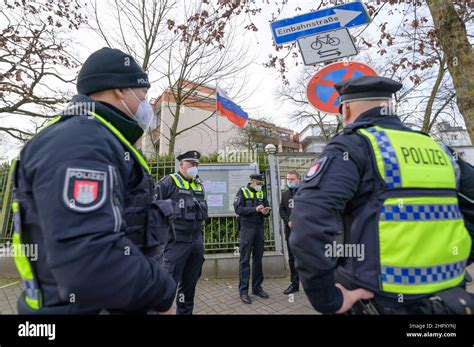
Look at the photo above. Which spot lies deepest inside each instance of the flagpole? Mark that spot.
(217, 124)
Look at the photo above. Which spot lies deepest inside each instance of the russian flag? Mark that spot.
(230, 109)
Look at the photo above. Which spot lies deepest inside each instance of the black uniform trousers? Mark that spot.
(184, 262)
(294, 278)
(251, 243)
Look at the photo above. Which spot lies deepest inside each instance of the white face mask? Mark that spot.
(258, 188)
(192, 171)
(144, 114)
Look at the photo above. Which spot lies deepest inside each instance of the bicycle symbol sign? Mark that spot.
(330, 45)
(321, 92)
(326, 40)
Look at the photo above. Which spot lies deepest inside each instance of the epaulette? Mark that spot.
(163, 178)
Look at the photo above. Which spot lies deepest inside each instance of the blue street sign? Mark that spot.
(347, 15)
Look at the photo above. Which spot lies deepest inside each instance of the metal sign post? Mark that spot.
(275, 197)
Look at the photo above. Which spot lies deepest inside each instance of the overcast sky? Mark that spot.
(259, 98)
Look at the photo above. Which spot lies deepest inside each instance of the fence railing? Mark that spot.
(6, 217)
(220, 233)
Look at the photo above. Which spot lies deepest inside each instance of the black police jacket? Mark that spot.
(286, 206)
(190, 209)
(79, 188)
(325, 202)
(246, 209)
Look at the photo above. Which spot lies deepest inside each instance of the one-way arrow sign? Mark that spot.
(347, 15)
(329, 53)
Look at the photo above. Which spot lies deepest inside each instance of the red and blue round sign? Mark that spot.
(321, 92)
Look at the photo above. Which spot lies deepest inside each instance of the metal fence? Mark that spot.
(220, 233)
(294, 161)
(6, 217)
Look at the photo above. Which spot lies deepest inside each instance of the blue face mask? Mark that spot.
(292, 185)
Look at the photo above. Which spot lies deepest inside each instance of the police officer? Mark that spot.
(84, 196)
(293, 179)
(251, 206)
(400, 197)
(185, 255)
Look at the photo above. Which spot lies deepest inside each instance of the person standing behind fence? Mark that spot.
(185, 255)
(251, 206)
(293, 179)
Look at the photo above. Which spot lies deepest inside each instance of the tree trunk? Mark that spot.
(427, 123)
(452, 35)
(174, 129)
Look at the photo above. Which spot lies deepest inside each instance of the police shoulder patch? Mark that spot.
(315, 168)
(84, 190)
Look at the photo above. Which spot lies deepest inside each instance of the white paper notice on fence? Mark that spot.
(215, 200)
(218, 187)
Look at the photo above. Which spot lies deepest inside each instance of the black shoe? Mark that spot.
(262, 294)
(291, 289)
(245, 299)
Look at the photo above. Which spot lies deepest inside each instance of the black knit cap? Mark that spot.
(110, 68)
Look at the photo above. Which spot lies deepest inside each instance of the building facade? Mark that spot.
(313, 139)
(458, 139)
(201, 128)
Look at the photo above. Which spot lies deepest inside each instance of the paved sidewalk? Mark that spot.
(212, 297)
(222, 297)
(10, 288)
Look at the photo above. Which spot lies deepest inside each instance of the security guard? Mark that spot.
(84, 195)
(400, 198)
(251, 206)
(185, 255)
(293, 179)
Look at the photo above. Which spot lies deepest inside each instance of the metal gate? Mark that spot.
(221, 234)
(278, 166)
(6, 224)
